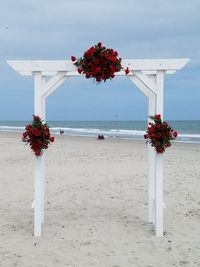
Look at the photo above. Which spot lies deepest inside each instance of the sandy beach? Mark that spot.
(96, 205)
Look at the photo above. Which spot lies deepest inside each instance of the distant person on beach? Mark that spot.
(61, 131)
(100, 137)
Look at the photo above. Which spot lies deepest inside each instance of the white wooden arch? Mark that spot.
(147, 75)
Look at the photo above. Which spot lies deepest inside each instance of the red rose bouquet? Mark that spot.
(99, 62)
(37, 135)
(159, 134)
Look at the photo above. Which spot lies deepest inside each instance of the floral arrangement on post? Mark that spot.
(37, 135)
(159, 134)
(99, 62)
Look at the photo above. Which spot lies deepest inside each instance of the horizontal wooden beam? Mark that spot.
(155, 64)
(50, 67)
(146, 80)
(75, 73)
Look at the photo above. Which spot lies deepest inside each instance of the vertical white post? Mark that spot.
(43, 116)
(151, 164)
(38, 160)
(38, 197)
(42, 186)
(159, 159)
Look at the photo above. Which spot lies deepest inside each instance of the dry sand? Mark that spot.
(96, 205)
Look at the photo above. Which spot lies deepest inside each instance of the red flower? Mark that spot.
(127, 70)
(28, 127)
(36, 132)
(51, 139)
(24, 135)
(87, 75)
(165, 123)
(160, 149)
(37, 135)
(169, 134)
(159, 134)
(36, 118)
(73, 58)
(99, 62)
(47, 132)
(157, 117)
(37, 153)
(151, 130)
(97, 69)
(80, 70)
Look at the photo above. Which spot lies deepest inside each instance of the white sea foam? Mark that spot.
(11, 129)
(112, 133)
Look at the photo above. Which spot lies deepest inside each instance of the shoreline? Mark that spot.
(188, 131)
(135, 139)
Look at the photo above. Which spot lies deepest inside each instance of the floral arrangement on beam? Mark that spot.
(159, 134)
(99, 62)
(37, 135)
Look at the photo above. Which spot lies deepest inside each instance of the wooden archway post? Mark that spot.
(147, 75)
(152, 86)
(155, 161)
(39, 179)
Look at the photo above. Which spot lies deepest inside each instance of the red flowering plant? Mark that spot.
(37, 135)
(159, 134)
(99, 62)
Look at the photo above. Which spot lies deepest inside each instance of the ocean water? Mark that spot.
(188, 131)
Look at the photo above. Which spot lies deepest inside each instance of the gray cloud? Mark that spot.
(31, 29)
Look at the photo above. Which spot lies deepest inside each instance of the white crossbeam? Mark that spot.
(146, 80)
(139, 84)
(51, 67)
(155, 64)
(53, 83)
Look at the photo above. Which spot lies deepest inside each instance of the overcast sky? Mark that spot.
(51, 29)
